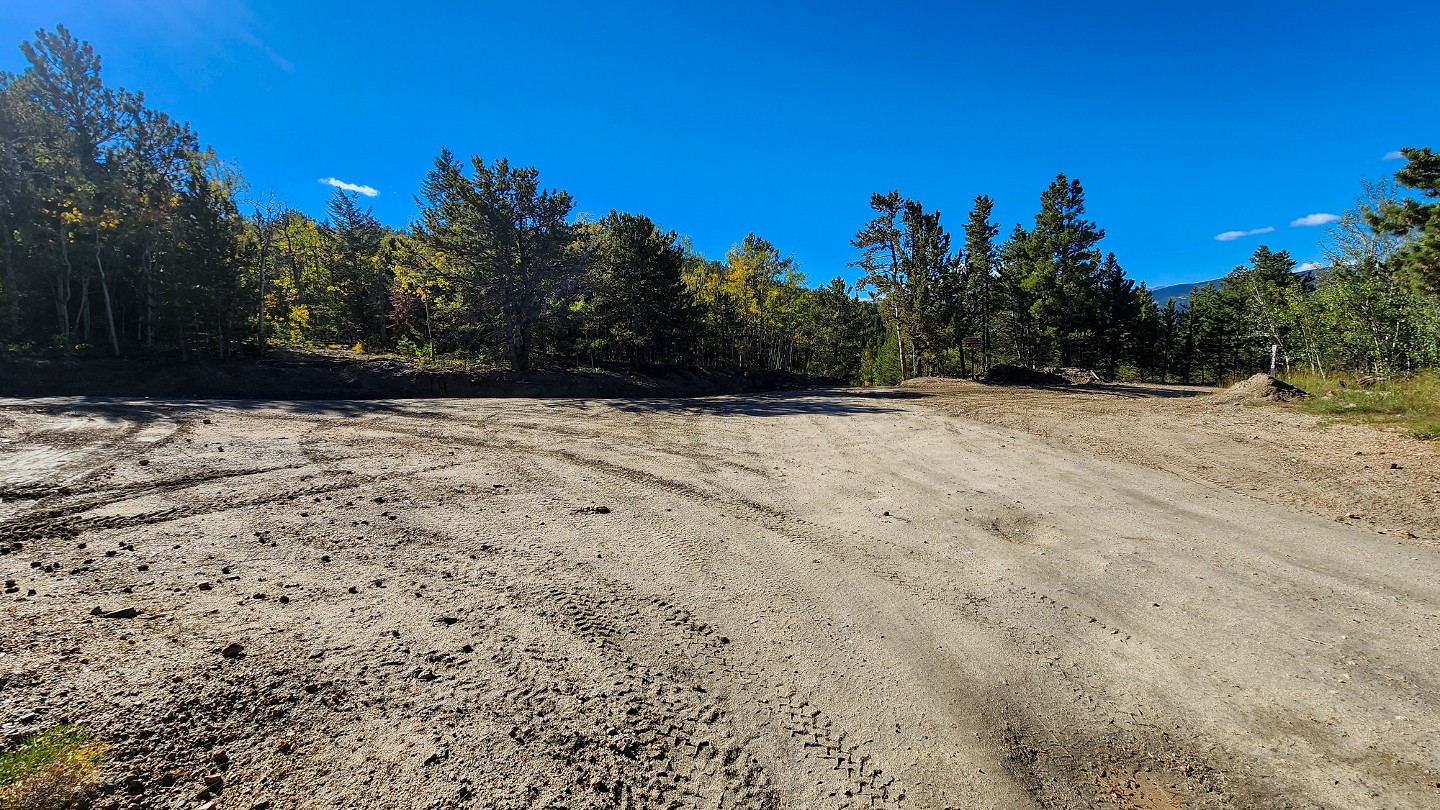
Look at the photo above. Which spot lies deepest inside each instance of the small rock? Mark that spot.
(598, 509)
(316, 655)
(144, 462)
(220, 758)
(232, 650)
(122, 613)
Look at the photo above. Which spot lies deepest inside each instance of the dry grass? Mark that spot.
(1411, 404)
(51, 770)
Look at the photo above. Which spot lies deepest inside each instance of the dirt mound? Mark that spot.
(1004, 374)
(1259, 388)
(1075, 376)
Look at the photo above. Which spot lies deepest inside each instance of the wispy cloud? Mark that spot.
(1306, 267)
(280, 61)
(1231, 236)
(368, 191)
(1310, 220)
(1393, 155)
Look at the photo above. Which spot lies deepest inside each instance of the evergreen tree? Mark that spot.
(506, 243)
(636, 294)
(356, 238)
(1418, 220)
(980, 268)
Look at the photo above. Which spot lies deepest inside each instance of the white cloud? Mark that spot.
(1306, 267)
(368, 191)
(1314, 219)
(1393, 155)
(1231, 236)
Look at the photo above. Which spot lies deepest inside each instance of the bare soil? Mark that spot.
(947, 595)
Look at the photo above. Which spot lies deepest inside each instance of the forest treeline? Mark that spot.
(124, 235)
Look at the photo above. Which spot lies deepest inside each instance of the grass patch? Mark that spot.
(50, 770)
(1411, 404)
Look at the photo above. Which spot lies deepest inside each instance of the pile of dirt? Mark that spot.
(1259, 388)
(1075, 376)
(1004, 374)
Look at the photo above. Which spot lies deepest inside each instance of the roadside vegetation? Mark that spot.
(124, 235)
(1409, 404)
(50, 770)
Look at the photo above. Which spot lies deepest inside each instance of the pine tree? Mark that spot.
(636, 293)
(506, 243)
(1418, 221)
(980, 263)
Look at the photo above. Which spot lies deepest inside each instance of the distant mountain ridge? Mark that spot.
(1181, 292)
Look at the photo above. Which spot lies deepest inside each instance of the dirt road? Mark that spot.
(901, 599)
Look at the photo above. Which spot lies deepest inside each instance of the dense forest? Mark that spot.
(124, 235)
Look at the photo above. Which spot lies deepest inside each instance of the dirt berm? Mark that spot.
(309, 374)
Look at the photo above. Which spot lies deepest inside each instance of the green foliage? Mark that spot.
(52, 769)
(919, 283)
(1411, 404)
(1417, 220)
(635, 308)
(505, 244)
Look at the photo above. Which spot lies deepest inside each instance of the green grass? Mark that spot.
(50, 769)
(1411, 404)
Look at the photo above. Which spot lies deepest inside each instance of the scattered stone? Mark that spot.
(598, 509)
(122, 613)
(220, 758)
(233, 650)
(144, 462)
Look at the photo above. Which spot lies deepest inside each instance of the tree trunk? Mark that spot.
(62, 285)
(105, 292)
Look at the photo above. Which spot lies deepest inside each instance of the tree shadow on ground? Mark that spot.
(1125, 390)
(838, 402)
(149, 410)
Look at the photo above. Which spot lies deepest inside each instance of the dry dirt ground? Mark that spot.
(942, 596)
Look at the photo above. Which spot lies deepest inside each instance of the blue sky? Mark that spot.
(1183, 121)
